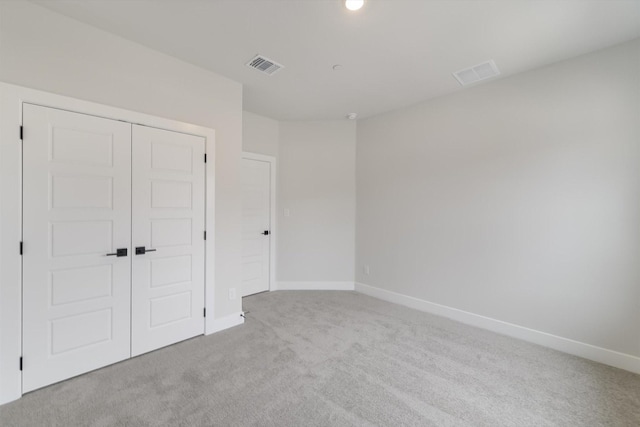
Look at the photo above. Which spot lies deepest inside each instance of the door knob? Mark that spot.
(119, 252)
(141, 250)
(265, 232)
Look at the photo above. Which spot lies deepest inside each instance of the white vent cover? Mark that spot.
(476, 73)
(265, 65)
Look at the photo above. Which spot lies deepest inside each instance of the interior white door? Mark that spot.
(76, 212)
(169, 224)
(256, 220)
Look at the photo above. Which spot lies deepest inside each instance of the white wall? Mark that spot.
(260, 134)
(518, 200)
(317, 184)
(43, 50)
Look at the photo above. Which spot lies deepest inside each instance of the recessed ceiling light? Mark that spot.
(337, 67)
(352, 116)
(353, 4)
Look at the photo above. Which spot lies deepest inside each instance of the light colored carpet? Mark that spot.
(320, 358)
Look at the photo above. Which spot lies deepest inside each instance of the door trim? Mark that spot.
(12, 98)
(272, 212)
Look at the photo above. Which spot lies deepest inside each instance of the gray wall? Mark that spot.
(317, 183)
(43, 50)
(260, 134)
(518, 199)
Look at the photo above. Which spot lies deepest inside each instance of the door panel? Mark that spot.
(168, 216)
(76, 210)
(256, 200)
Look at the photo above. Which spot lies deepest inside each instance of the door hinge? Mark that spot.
(21, 248)
(21, 133)
(205, 157)
(205, 235)
(21, 363)
(204, 312)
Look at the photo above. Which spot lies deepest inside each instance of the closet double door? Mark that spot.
(113, 245)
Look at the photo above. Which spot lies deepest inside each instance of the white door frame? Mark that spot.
(12, 98)
(272, 212)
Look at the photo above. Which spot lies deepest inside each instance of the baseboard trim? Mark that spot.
(314, 286)
(226, 322)
(598, 354)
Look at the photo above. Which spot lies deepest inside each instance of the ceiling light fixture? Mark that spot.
(353, 4)
(352, 116)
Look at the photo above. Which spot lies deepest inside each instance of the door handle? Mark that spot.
(141, 250)
(119, 252)
(265, 232)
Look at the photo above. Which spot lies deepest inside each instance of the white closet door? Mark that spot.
(168, 222)
(77, 209)
(256, 199)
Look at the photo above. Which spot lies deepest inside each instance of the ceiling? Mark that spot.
(393, 53)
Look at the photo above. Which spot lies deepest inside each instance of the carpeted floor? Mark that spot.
(324, 358)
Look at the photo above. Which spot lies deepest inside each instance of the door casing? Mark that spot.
(181, 299)
(272, 213)
(12, 97)
(76, 209)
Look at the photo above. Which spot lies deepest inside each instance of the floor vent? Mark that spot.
(265, 65)
(477, 73)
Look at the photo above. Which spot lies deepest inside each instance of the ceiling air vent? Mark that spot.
(265, 65)
(477, 73)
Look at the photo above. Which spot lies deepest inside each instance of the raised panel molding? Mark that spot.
(170, 232)
(81, 191)
(81, 237)
(70, 146)
(169, 309)
(81, 147)
(80, 330)
(171, 194)
(66, 285)
(171, 157)
(168, 271)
